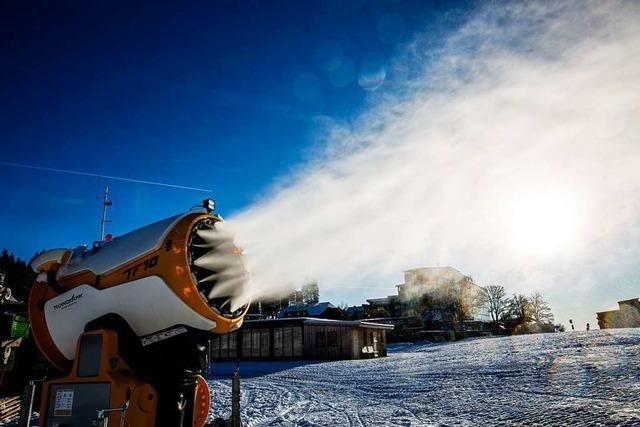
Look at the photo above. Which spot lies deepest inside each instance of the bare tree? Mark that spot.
(494, 298)
(539, 309)
(519, 308)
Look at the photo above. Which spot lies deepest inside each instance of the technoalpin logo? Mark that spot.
(68, 302)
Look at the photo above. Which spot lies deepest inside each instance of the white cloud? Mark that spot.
(520, 104)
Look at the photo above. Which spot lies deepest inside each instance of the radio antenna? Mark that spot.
(106, 202)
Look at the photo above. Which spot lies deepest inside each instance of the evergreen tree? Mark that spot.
(18, 274)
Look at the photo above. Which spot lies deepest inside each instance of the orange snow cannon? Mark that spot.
(163, 290)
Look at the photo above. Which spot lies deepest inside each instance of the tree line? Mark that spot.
(518, 313)
(18, 275)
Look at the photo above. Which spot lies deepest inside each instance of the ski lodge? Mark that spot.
(303, 338)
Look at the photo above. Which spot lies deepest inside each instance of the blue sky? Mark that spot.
(222, 95)
(498, 137)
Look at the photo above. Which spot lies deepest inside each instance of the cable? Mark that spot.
(118, 178)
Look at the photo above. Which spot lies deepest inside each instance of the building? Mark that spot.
(384, 307)
(429, 281)
(321, 310)
(303, 338)
(626, 316)
(431, 292)
(432, 303)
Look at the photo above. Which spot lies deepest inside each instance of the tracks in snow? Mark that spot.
(558, 379)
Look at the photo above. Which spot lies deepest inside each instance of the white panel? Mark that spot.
(115, 253)
(148, 305)
(55, 255)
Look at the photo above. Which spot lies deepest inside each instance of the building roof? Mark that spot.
(437, 273)
(355, 309)
(435, 270)
(316, 321)
(433, 276)
(318, 309)
(311, 309)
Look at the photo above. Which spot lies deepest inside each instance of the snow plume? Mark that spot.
(527, 112)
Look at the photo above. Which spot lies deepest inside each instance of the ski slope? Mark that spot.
(585, 378)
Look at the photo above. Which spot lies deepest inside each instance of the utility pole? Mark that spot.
(105, 204)
(235, 420)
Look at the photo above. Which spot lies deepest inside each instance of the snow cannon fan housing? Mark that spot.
(184, 271)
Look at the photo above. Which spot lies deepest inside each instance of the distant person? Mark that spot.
(588, 327)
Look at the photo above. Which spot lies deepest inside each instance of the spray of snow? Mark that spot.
(525, 106)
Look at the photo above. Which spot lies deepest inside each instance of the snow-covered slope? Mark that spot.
(578, 378)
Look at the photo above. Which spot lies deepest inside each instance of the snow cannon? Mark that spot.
(163, 290)
(184, 270)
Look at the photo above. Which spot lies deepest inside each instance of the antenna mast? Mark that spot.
(105, 204)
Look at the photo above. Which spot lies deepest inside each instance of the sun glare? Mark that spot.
(543, 223)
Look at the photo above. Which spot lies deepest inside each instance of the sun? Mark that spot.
(543, 223)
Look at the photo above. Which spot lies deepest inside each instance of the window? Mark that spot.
(246, 343)
(255, 343)
(264, 343)
(215, 347)
(224, 345)
(277, 342)
(233, 344)
(298, 345)
(288, 342)
(287, 334)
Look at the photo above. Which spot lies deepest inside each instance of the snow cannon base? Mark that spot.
(103, 390)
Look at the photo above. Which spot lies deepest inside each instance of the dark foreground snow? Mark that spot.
(573, 378)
